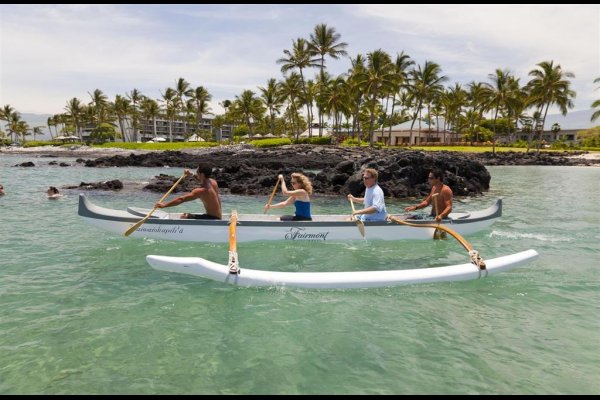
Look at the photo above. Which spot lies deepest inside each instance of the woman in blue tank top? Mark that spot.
(299, 195)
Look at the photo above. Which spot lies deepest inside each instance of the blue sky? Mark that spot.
(51, 53)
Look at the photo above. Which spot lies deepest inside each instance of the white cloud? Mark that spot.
(476, 39)
(51, 53)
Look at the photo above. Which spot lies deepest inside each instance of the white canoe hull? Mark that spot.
(252, 227)
(336, 280)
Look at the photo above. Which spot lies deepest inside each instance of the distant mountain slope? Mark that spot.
(34, 120)
(573, 120)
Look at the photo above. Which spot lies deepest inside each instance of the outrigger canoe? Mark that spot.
(336, 280)
(252, 227)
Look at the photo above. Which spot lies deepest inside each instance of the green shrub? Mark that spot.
(349, 142)
(37, 143)
(270, 142)
(157, 146)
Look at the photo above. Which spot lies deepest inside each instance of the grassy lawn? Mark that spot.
(482, 149)
(157, 146)
(191, 145)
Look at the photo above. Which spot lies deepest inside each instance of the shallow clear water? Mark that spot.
(82, 311)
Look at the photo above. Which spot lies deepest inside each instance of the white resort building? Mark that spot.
(400, 135)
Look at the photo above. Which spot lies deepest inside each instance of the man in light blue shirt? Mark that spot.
(374, 202)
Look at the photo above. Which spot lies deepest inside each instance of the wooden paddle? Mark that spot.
(234, 267)
(474, 254)
(438, 234)
(272, 195)
(140, 222)
(359, 223)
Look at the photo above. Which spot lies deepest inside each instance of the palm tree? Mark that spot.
(549, 86)
(378, 78)
(75, 110)
(5, 113)
(500, 90)
(57, 120)
(518, 101)
(20, 127)
(136, 97)
(249, 107)
(335, 99)
(182, 87)
(401, 65)
(122, 108)
(300, 58)
(100, 105)
(316, 90)
(14, 118)
(452, 101)
(555, 129)
(291, 89)
(15, 126)
(226, 104)
(425, 84)
(479, 101)
(198, 102)
(324, 41)
(355, 93)
(273, 100)
(150, 111)
(171, 106)
(596, 104)
(50, 123)
(37, 130)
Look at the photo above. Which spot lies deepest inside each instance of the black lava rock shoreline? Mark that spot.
(246, 170)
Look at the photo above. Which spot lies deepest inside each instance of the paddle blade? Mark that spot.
(439, 234)
(359, 223)
(361, 227)
(135, 226)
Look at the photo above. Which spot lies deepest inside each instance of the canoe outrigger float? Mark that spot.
(233, 274)
(336, 280)
(252, 227)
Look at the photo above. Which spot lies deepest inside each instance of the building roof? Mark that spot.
(315, 133)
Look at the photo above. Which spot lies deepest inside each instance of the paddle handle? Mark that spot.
(272, 195)
(141, 222)
(352, 205)
(435, 204)
(170, 190)
(233, 263)
(232, 231)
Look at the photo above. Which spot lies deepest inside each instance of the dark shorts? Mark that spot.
(200, 216)
(294, 218)
(419, 216)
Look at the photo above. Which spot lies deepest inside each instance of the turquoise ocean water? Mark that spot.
(82, 311)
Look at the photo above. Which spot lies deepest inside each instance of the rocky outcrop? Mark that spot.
(334, 171)
(245, 170)
(25, 164)
(115, 184)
